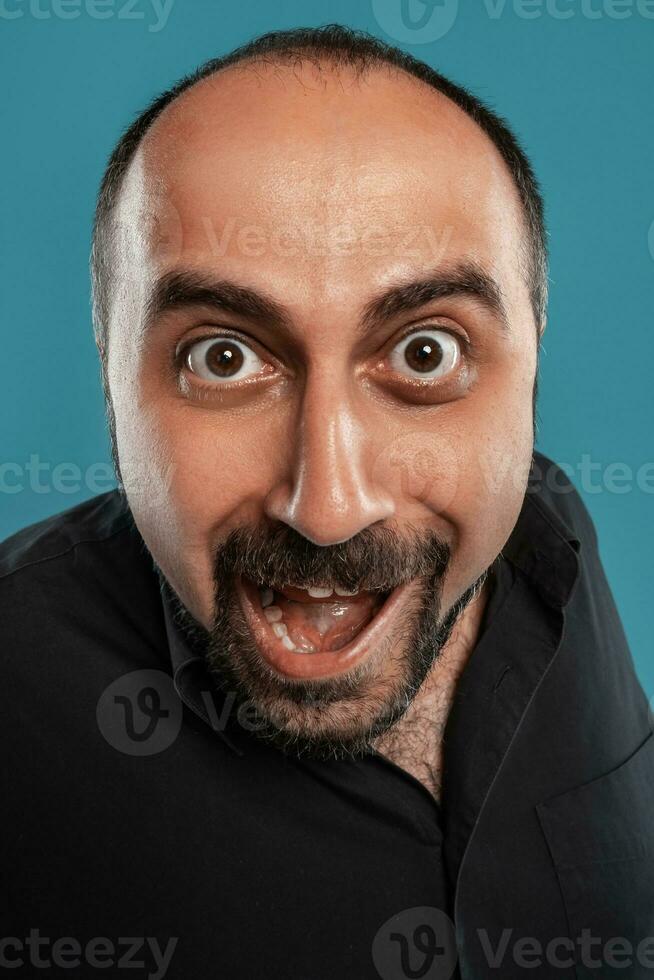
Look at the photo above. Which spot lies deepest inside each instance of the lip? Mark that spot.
(331, 663)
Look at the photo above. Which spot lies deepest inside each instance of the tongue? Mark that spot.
(318, 626)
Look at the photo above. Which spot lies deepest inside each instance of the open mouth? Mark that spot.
(316, 632)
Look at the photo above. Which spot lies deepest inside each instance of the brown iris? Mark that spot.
(224, 358)
(423, 354)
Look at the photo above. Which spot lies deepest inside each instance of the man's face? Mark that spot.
(321, 361)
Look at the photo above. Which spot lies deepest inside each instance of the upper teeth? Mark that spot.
(323, 593)
(316, 592)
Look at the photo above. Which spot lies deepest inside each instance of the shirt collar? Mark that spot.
(181, 653)
(193, 682)
(544, 548)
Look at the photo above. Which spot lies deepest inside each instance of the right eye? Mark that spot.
(222, 359)
(427, 354)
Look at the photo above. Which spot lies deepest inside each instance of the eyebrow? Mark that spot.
(181, 288)
(467, 279)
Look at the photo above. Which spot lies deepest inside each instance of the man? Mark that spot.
(334, 685)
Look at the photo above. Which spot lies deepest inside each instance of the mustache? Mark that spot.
(375, 560)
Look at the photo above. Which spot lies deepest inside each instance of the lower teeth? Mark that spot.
(274, 614)
(329, 621)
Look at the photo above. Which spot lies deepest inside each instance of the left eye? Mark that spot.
(428, 353)
(222, 359)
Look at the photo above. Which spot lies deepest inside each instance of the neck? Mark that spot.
(415, 742)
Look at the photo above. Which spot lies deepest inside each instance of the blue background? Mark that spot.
(577, 89)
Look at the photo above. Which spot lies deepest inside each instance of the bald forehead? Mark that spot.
(320, 117)
(328, 94)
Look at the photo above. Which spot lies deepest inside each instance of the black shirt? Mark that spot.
(140, 805)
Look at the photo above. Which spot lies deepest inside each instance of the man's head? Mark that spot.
(319, 287)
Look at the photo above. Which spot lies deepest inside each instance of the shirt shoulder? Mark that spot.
(82, 572)
(79, 588)
(566, 560)
(593, 677)
(56, 538)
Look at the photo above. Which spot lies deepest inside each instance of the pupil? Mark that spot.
(224, 359)
(423, 354)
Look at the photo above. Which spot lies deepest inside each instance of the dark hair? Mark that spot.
(340, 46)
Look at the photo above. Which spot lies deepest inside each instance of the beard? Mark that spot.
(338, 717)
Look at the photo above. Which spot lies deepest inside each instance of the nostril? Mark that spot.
(328, 512)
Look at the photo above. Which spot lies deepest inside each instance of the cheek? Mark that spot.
(492, 495)
(494, 446)
(190, 475)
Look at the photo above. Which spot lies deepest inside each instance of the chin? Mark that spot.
(331, 703)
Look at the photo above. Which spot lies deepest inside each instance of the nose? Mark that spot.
(328, 493)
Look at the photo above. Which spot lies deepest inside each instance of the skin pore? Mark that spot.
(276, 207)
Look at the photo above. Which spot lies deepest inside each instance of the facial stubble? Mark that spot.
(333, 717)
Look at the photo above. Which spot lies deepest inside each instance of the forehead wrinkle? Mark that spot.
(153, 179)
